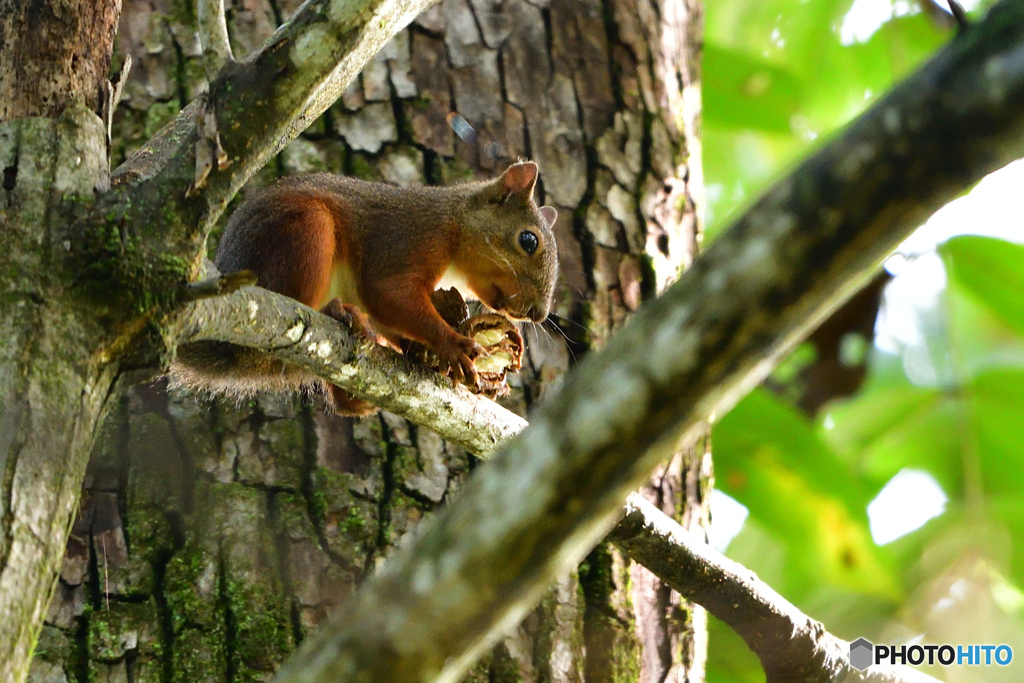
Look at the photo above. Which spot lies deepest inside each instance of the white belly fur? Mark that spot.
(343, 286)
(453, 278)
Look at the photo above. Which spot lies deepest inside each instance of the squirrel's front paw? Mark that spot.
(459, 354)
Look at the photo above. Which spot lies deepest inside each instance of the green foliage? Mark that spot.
(777, 78)
(807, 483)
(992, 271)
(731, 659)
(743, 80)
(804, 496)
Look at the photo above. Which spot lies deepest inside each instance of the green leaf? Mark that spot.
(888, 429)
(856, 424)
(763, 423)
(993, 271)
(814, 85)
(997, 429)
(769, 458)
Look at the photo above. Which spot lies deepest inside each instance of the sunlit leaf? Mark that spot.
(992, 270)
(770, 459)
(888, 429)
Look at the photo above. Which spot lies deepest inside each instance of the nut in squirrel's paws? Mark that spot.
(496, 343)
(503, 351)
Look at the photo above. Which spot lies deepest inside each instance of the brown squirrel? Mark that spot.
(349, 247)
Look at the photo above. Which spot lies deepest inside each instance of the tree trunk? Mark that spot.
(213, 537)
(54, 53)
(54, 383)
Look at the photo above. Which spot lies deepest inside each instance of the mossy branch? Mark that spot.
(790, 645)
(213, 36)
(145, 236)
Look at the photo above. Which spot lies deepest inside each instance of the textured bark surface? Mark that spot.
(54, 58)
(213, 538)
(71, 247)
(783, 266)
(300, 335)
(685, 358)
(53, 53)
(53, 386)
(53, 63)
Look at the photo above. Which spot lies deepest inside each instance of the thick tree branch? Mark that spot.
(684, 359)
(263, 102)
(54, 54)
(790, 645)
(53, 387)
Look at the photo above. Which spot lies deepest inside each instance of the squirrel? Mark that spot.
(370, 255)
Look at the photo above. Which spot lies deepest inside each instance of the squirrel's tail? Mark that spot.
(225, 369)
(239, 373)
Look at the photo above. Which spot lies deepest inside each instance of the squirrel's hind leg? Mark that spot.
(350, 315)
(355, 319)
(343, 403)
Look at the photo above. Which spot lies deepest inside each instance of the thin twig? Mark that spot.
(792, 647)
(220, 285)
(959, 14)
(213, 36)
(106, 566)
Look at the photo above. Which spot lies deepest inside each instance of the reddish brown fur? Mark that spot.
(397, 243)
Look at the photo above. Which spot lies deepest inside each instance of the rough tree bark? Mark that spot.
(482, 562)
(54, 59)
(54, 53)
(787, 259)
(89, 275)
(213, 538)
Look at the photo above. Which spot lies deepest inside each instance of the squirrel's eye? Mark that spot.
(528, 241)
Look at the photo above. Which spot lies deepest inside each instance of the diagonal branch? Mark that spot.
(790, 645)
(683, 360)
(263, 102)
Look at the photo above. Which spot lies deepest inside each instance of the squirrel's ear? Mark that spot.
(550, 215)
(518, 179)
